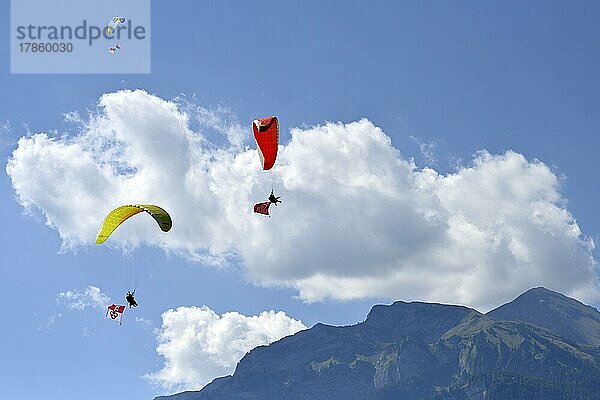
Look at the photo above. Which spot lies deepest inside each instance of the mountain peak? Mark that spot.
(541, 291)
(573, 320)
(428, 321)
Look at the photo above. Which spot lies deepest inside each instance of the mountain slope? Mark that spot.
(558, 313)
(418, 351)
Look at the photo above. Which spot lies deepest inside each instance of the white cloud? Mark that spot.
(220, 121)
(90, 298)
(45, 325)
(5, 132)
(358, 219)
(79, 300)
(199, 345)
(427, 150)
(146, 323)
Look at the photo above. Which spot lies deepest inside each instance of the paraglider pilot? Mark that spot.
(131, 299)
(274, 199)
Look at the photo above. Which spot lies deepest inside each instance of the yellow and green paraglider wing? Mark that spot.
(120, 214)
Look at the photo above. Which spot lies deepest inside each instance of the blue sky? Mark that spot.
(462, 76)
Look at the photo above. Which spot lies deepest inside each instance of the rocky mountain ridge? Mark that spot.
(542, 345)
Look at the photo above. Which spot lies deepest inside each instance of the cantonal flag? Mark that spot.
(262, 208)
(115, 312)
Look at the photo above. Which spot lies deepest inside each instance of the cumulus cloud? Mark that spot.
(427, 150)
(358, 220)
(199, 345)
(214, 122)
(90, 298)
(79, 300)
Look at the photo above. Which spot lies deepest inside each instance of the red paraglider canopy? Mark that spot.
(266, 134)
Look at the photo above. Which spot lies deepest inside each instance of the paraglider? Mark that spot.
(274, 199)
(266, 134)
(112, 25)
(131, 299)
(120, 214)
(263, 208)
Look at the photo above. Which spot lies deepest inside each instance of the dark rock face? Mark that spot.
(540, 346)
(428, 321)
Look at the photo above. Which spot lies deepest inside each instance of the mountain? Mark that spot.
(558, 313)
(421, 351)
